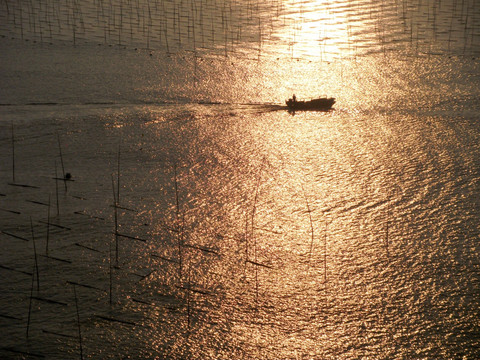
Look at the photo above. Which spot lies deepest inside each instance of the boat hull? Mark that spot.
(321, 104)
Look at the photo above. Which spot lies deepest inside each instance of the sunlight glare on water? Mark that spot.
(204, 220)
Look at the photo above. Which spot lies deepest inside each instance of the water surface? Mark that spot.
(206, 221)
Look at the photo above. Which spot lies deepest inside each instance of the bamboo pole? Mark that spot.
(181, 241)
(13, 154)
(110, 272)
(311, 225)
(188, 298)
(78, 322)
(253, 228)
(56, 188)
(325, 254)
(176, 189)
(118, 175)
(35, 255)
(115, 212)
(30, 303)
(61, 161)
(246, 237)
(48, 225)
(387, 233)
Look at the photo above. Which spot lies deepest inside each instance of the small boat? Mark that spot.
(322, 104)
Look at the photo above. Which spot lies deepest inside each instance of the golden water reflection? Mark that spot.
(317, 230)
(329, 30)
(319, 29)
(316, 29)
(249, 232)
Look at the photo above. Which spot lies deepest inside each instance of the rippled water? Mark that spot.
(203, 219)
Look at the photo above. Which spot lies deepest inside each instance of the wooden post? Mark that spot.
(78, 322)
(13, 154)
(115, 208)
(61, 161)
(48, 225)
(35, 255)
(30, 304)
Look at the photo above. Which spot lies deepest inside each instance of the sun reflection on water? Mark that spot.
(315, 29)
(245, 231)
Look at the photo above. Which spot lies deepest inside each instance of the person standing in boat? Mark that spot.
(294, 98)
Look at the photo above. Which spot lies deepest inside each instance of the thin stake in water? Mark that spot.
(48, 225)
(246, 238)
(176, 189)
(311, 224)
(188, 298)
(115, 208)
(61, 160)
(118, 175)
(181, 241)
(253, 227)
(110, 271)
(325, 254)
(56, 188)
(78, 322)
(386, 239)
(13, 154)
(386, 233)
(35, 255)
(30, 304)
(182, 224)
